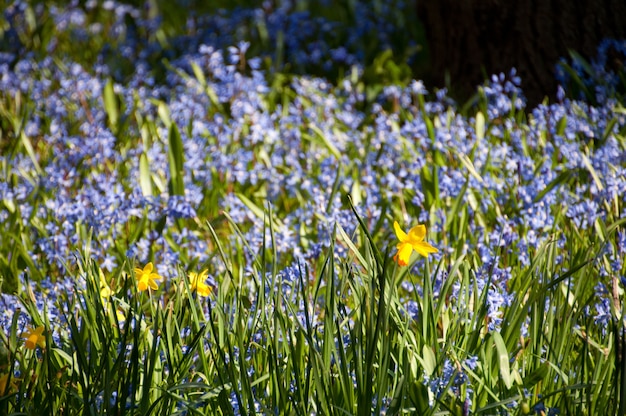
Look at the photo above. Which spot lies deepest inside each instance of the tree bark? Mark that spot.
(468, 40)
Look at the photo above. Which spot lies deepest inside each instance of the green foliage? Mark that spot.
(338, 341)
(339, 337)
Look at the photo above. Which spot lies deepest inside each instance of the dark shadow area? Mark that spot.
(470, 40)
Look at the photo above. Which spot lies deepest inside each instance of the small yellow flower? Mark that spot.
(414, 240)
(198, 283)
(4, 380)
(146, 278)
(121, 317)
(105, 289)
(35, 337)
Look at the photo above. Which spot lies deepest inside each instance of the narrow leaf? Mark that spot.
(144, 175)
(503, 360)
(480, 126)
(111, 105)
(175, 156)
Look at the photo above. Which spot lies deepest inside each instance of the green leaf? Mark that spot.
(164, 113)
(615, 225)
(258, 211)
(470, 167)
(418, 394)
(562, 178)
(576, 57)
(327, 143)
(578, 82)
(111, 106)
(198, 73)
(430, 184)
(175, 154)
(608, 130)
(503, 360)
(538, 375)
(480, 126)
(351, 245)
(144, 175)
(567, 274)
(458, 203)
(430, 129)
(428, 360)
(592, 171)
(31, 152)
(561, 125)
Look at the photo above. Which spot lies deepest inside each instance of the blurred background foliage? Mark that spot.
(445, 44)
(390, 52)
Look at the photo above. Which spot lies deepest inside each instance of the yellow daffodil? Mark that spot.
(146, 277)
(4, 380)
(121, 317)
(414, 240)
(35, 337)
(198, 283)
(105, 289)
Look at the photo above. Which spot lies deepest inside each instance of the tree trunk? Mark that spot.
(468, 40)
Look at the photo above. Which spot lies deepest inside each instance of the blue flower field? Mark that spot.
(198, 211)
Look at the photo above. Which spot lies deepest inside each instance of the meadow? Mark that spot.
(257, 210)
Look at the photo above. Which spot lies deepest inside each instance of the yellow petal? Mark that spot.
(424, 248)
(417, 233)
(120, 315)
(105, 291)
(204, 290)
(3, 383)
(399, 233)
(31, 342)
(403, 255)
(142, 285)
